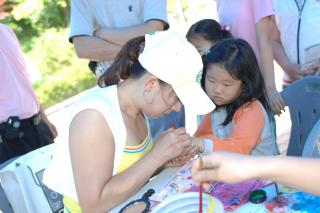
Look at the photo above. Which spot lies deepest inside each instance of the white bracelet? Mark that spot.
(208, 146)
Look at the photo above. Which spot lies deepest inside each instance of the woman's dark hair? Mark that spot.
(126, 64)
(238, 58)
(209, 29)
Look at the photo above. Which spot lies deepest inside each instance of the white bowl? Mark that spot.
(189, 203)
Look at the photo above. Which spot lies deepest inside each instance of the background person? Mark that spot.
(251, 20)
(205, 33)
(23, 124)
(98, 29)
(296, 28)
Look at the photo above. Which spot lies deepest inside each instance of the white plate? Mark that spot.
(187, 203)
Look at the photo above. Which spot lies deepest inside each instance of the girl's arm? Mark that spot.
(264, 39)
(249, 122)
(92, 155)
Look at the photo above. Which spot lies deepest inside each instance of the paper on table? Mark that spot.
(179, 183)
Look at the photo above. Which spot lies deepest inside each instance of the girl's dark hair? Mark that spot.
(126, 64)
(238, 58)
(209, 29)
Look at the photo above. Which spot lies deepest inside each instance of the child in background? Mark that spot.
(205, 33)
(232, 79)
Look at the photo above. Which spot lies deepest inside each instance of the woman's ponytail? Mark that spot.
(122, 66)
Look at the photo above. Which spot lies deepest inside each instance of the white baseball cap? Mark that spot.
(171, 58)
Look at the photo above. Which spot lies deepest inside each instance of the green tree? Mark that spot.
(30, 18)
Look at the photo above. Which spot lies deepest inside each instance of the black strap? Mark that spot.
(298, 29)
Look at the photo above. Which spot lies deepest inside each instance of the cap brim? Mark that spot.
(195, 100)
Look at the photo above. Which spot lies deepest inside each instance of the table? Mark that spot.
(155, 183)
(309, 202)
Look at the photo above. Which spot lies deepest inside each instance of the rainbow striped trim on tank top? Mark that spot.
(140, 147)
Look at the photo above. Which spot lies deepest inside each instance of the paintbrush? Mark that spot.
(277, 191)
(173, 124)
(200, 187)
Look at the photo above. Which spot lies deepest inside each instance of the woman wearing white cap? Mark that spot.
(110, 153)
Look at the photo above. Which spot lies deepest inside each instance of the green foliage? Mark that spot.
(30, 18)
(64, 75)
(52, 51)
(54, 14)
(63, 85)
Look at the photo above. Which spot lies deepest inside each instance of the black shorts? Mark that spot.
(28, 137)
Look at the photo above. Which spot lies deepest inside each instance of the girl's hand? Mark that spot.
(199, 144)
(223, 166)
(171, 144)
(184, 158)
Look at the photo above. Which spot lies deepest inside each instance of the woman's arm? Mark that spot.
(92, 155)
(280, 55)
(264, 39)
(300, 173)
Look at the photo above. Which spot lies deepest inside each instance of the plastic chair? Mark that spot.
(303, 99)
(312, 147)
(21, 181)
(5, 205)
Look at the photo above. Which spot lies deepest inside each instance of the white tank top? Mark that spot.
(58, 176)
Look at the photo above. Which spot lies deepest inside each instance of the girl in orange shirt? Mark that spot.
(232, 79)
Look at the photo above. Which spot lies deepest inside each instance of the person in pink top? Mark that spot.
(251, 21)
(23, 124)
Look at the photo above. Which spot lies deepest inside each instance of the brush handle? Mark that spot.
(200, 188)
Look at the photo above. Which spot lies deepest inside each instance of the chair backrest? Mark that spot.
(312, 146)
(303, 99)
(5, 205)
(21, 181)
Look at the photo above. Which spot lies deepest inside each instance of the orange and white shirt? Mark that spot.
(248, 132)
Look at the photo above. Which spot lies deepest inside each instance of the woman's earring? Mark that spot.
(148, 97)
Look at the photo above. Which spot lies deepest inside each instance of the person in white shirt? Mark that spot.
(296, 28)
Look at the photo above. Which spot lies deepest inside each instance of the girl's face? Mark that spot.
(164, 101)
(220, 86)
(201, 44)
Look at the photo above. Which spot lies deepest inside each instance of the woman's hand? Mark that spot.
(293, 71)
(313, 69)
(184, 158)
(276, 101)
(172, 144)
(223, 166)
